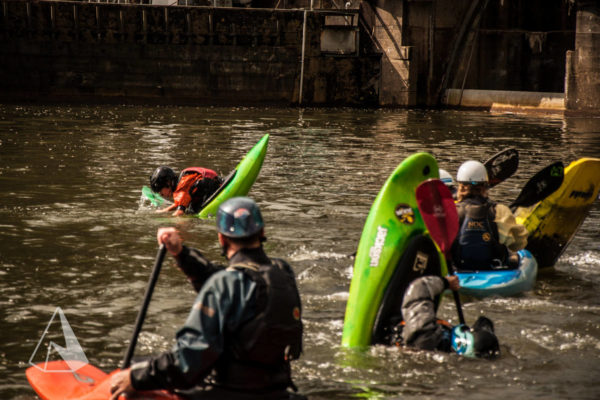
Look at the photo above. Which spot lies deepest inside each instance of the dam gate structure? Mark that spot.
(540, 55)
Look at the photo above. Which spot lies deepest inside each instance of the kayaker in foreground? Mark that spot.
(189, 190)
(244, 327)
(422, 330)
(489, 235)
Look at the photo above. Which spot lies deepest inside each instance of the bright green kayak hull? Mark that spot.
(394, 220)
(246, 173)
(238, 184)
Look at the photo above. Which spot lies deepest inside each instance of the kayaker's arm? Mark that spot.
(167, 209)
(221, 307)
(182, 196)
(418, 307)
(196, 267)
(511, 234)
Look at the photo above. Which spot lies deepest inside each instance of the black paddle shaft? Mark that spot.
(459, 311)
(142, 314)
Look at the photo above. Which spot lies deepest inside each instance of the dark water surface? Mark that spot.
(73, 234)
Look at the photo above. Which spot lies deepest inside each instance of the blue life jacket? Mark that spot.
(477, 246)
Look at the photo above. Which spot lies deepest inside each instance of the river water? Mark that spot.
(74, 235)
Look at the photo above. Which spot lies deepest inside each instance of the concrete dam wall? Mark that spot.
(74, 51)
(490, 54)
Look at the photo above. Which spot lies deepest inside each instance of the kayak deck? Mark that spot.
(54, 381)
(501, 282)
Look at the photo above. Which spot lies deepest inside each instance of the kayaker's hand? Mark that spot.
(453, 282)
(120, 384)
(167, 209)
(171, 239)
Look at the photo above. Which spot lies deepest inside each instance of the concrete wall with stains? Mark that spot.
(582, 81)
(375, 53)
(201, 55)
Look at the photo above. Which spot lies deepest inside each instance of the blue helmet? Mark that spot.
(239, 217)
(462, 341)
(474, 343)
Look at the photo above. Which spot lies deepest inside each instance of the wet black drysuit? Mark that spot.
(242, 332)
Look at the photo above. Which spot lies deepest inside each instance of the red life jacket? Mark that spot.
(204, 173)
(195, 186)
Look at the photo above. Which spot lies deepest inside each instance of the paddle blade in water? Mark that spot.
(154, 198)
(439, 213)
(501, 166)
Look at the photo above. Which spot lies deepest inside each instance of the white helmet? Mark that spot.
(446, 177)
(472, 172)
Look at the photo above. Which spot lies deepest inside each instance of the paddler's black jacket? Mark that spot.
(242, 331)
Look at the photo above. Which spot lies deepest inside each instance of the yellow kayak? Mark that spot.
(553, 222)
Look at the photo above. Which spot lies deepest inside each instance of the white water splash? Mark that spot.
(590, 259)
(302, 254)
(558, 340)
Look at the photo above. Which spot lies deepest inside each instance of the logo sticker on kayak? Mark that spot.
(405, 214)
(420, 264)
(72, 353)
(377, 248)
(578, 194)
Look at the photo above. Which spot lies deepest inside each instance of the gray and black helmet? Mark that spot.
(239, 217)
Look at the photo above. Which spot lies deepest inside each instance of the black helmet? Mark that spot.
(163, 177)
(486, 344)
(239, 217)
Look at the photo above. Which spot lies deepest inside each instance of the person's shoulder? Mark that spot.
(282, 265)
(224, 279)
(502, 208)
(503, 212)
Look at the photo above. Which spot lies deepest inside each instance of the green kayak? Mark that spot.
(240, 180)
(237, 183)
(393, 250)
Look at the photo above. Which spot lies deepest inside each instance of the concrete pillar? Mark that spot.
(396, 85)
(582, 80)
